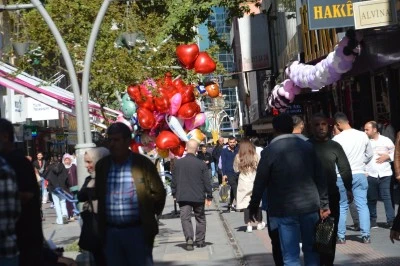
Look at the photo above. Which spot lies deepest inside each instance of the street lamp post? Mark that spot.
(81, 103)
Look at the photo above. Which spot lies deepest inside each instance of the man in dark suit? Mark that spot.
(192, 189)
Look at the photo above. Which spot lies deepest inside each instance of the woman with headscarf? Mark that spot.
(88, 197)
(246, 162)
(72, 181)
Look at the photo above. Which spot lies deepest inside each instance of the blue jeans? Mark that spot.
(291, 230)
(14, 261)
(360, 188)
(380, 188)
(127, 246)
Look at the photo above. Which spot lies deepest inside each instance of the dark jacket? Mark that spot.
(217, 153)
(227, 158)
(190, 180)
(42, 169)
(331, 154)
(149, 188)
(87, 192)
(291, 172)
(57, 176)
(205, 157)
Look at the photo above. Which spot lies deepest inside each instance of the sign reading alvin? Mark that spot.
(376, 13)
(329, 14)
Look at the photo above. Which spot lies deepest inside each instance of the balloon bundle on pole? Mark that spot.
(324, 73)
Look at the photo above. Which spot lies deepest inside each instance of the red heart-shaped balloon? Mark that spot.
(167, 140)
(162, 103)
(135, 146)
(145, 118)
(134, 92)
(178, 83)
(188, 110)
(187, 54)
(187, 93)
(204, 64)
(179, 150)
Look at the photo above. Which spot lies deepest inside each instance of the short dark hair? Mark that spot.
(297, 120)
(339, 116)
(319, 115)
(283, 123)
(119, 128)
(202, 146)
(7, 128)
(231, 138)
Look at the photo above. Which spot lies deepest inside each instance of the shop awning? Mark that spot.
(35, 88)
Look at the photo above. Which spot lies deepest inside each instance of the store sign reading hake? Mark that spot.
(329, 14)
(375, 13)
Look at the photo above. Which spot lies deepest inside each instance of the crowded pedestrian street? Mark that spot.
(227, 243)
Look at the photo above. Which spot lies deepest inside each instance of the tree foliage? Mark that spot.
(114, 68)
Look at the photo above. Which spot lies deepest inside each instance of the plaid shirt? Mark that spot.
(122, 206)
(9, 211)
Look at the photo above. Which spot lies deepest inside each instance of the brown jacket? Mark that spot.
(150, 192)
(397, 157)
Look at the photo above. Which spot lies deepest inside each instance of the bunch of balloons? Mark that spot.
(316, 76)
(164, 114)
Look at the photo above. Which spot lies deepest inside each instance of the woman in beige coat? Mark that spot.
(245, 163)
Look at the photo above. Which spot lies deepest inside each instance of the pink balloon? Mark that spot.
(176, 101)
(281, 91)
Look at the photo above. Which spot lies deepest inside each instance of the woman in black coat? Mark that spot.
(57, 176)
(89, 238)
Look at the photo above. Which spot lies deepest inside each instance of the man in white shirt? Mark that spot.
(358, 150)
(379, 173)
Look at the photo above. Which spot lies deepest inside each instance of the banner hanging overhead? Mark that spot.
(330, 14)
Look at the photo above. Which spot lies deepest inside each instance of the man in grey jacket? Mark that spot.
(296, 191)
(192, 189)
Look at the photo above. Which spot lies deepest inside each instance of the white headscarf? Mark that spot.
(96, 154)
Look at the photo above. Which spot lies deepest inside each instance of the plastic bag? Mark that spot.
(324, 236)
(224, 192)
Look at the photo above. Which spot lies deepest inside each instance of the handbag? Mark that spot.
(324, 236)
(89, 238)
(224, 192)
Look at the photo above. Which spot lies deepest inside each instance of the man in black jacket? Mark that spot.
(192, 189)
(296, 191)
(207, 158)
(216, 154)
(331, 154)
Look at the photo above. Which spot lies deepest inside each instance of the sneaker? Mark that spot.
(366, 240)
(389, 225)
(356, 227)
(65, 219)
(261, 226)
(249, 229)
(374, 225)
(341, 240)
(189, 245)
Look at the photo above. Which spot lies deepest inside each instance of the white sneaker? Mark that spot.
(249, 229)
(261, 226)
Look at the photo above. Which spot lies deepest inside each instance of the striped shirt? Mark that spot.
(9, 211)
(122, 206)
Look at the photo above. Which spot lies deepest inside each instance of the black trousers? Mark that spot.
(247, 216)
(328, 259)
(233, 182)
(186, 209)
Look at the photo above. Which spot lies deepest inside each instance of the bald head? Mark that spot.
(192, 146)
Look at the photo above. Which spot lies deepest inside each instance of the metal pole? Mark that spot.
(69, 65)
(16, 7)
(86, 69)
(81, 146)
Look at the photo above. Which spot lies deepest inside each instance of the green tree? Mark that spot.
(114, 67)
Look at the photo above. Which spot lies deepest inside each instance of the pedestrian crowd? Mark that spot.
(299, 181)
